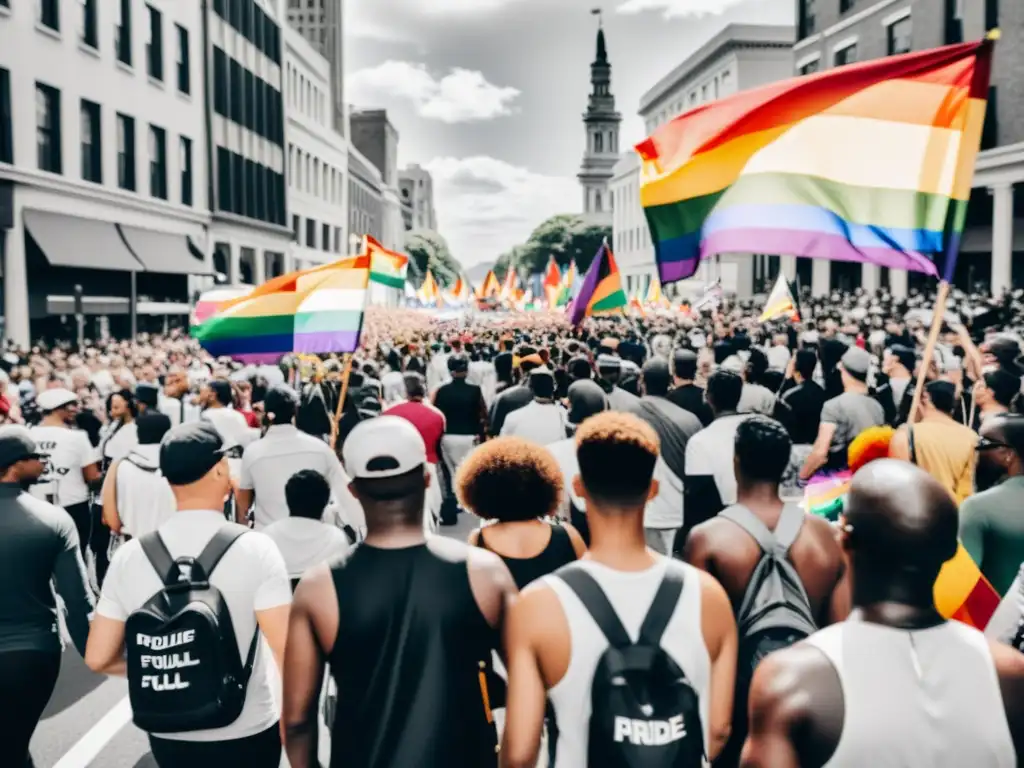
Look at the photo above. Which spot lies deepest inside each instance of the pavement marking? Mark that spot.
(96, 738)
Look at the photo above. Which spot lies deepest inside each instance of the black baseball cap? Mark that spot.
(16, 444)
(189, 451)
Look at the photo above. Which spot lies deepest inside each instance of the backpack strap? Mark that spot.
(156, 551)
(663, 605)
(217, 547)
(596, 602)
(778, 541)
(911, 446)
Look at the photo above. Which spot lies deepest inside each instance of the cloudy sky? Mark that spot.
(488, 94)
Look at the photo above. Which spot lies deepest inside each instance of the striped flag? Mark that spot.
(490, 287)
(601, 290)
(780, 302)
(386, 267)
(711, 299)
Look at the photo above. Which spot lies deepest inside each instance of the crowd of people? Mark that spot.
(643, 587)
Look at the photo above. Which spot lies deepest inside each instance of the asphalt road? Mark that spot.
(88, 719)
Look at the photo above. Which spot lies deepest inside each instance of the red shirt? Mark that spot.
(429, 422)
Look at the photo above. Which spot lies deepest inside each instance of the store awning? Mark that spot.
(165, 253)
(68, 241)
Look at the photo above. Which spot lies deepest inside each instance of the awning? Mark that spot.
(165, 253)
(91, 305)
(68, 241)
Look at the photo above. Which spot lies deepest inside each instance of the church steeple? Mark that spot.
(601, 124)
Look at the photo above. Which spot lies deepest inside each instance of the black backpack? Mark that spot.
(645, 713)
(184, 669)
(775, 612)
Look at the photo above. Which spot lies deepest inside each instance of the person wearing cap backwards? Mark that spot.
(38, 542)
(72, 463)
(252, 579)
(465, 416)
(844, 417)
(270, 462)
(542, 421)
(406, 622)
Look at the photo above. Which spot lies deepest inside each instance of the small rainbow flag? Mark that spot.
(313, 311)
(386, 267)
(870, 163)
(601, 290)
(825, 494)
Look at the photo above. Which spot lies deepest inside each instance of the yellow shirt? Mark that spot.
(946, 450)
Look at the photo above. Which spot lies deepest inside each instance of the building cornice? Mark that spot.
(845, 24)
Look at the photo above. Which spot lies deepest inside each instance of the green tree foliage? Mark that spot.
(428, 250)
(565, 236)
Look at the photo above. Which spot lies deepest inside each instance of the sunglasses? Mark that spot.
(987, 444)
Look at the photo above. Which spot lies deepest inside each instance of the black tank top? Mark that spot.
(411, 640)
(557, 553)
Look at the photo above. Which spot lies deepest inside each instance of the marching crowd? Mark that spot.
(644, 587)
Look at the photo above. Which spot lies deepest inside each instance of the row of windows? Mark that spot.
(246, 99)
(307, 174)
(364, 210)
(48, 15)
(719, 85)
(330, 237)
(49, 154)
(304, 96)
(249, 189)
(599, 144)
(899, 39)
(248, 19)
(632, 239)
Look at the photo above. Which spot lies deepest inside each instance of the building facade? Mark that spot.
(317, 158)
(103, 180)
(371, 132)
(417, 192)
(322, 24)
(831, 34)
(250, 229)
(739, 57)
(601, 128)
(365, 198)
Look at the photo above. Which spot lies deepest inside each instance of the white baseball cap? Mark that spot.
(52, 399)
(385, 446)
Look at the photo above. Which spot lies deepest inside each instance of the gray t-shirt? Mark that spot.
(851, 413)
(755, 398)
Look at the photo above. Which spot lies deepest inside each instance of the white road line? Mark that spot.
(90, 745)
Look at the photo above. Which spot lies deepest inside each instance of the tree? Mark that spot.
(428, 250)
(565, 236)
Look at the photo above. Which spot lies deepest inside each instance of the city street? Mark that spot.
(88, 720)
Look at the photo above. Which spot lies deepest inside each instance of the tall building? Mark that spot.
(833, 34)
(601, 128)
(365, 198)
(417, 187)
(317, 157)
(103, 173)
(738, 57)
(322, 23)
(371, 132)
(250, 228)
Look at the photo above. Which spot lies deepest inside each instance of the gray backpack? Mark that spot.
(775, 612)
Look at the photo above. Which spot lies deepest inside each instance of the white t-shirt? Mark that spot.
(117, 444)
(543, 423)
(67, 451)
(711, 452)
(305, 543)
(251, 576)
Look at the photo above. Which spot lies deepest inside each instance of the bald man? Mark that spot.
(895, 685)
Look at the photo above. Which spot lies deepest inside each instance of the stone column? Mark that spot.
(234, 264)
(898, 283)
(787, 265)
(869, 277)
(259, 267)
(15, 283)
(1002, 238)
(821, 277)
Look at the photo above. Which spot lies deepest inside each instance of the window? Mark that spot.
(846, 55)
(123, 33)
(185, 163)
(325, 237)
(810, 67)
(49, 13)
(807, 18)
(899, 35)
(6, 135)
(220, 82)
(126, 152)
(310, 233)
(337, 239)
(157, 162)
(184, 76)
(845, 5)
(991, 14)
(88, 33)
(703, 94)
(223, 179)
(598, 143)
(954, 22)
(92, 146)
(235, 91)
(48, 128)
(296, 223)
(155, 44)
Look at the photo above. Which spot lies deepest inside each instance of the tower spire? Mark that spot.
(601, 126)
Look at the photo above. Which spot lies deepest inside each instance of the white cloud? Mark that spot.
(461, 96)
(676, 8)
(485, 205)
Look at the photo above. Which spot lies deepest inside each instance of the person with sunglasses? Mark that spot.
(991, 524)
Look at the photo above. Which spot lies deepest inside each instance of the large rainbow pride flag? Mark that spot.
(871, 162)
(313, 311)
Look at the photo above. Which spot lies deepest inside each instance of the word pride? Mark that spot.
(166, 662)
(649, 733)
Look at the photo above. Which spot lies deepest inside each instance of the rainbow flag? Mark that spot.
(963, 593)
(490, 287)
(313, 311)
(386, 267)
(780, 302)
(601, 290)
(825, 494)
(871, 162)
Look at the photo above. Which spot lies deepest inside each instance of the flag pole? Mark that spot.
(342, 393)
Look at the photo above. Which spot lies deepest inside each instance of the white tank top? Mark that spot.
(927, 697)
(631, 594)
